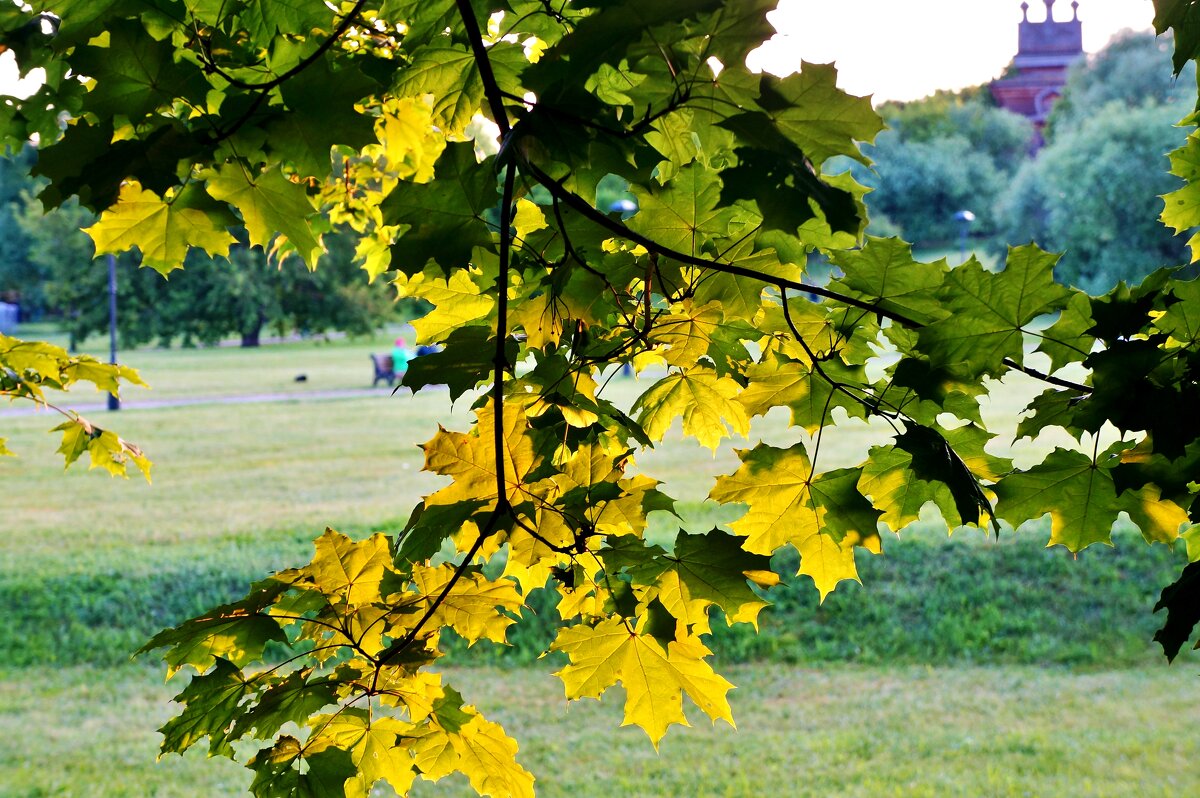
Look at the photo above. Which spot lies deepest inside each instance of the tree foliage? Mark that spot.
(204, 116)
(1093, 194)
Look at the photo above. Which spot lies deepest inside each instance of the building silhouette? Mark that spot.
(1035, 79)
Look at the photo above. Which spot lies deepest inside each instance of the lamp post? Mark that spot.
(113, 402)
(964, 219)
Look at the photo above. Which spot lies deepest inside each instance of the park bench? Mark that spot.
(385, 369)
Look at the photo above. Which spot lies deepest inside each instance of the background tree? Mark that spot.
(948, 152)
(1133, 69)
(51, 268)
(1093, 194)
(1093, 191)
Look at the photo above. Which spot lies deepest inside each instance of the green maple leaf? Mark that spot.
(1050, 408)
(448, 74)
(263, 19)
(466, 361)
(318, 119)
(296, 698)
(1182, 318)
(1179, 16)
(135, 74)
(1181, 208)
(923, 392)
(237, 632)
(935, 458)
(1077, 493)
(741, 298)
(885, 273)
(733, 30)
(277, 771)
(821, 119)
(686, 214)
(713, 568)
(989, 312)
(1067, 340)
(604, 38)
(782, 184)
(1182, 603)
(211, 708)
(446, 216)
(897, 491)
(270, 204)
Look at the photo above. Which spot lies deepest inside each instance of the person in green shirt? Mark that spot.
(400, 357)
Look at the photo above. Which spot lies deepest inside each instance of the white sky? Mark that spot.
(893, 49)
(904, 50)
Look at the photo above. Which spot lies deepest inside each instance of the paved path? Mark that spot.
(26, 408)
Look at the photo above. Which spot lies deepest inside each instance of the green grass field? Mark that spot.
(963, 667)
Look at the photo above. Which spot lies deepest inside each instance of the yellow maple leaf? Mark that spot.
(470, 459)
(457, 302)
(347, 571)
(417, 692)
(530, 560)
(472, 606)
(528, 219)
(487, 756)
(776, 484)
(376, 747)
(654, 679)
(706, 402)
(408, 141)
(479, 749)
(163, 231)
(687, 332)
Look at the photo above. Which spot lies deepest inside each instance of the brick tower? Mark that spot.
(1045, 51)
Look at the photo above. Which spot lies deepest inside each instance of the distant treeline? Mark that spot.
(1091, 192)
(48, 268)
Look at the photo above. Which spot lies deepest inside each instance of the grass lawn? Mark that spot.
(243, 488)
(841, 730)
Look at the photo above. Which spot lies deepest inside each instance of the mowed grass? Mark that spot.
(843, 730)
(240, 489)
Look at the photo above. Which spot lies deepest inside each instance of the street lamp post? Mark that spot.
(113, 402)
(964, 219)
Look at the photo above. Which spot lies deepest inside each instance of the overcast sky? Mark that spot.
(898, 50)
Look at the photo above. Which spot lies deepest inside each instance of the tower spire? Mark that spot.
(1049, 10)
(1024, 12)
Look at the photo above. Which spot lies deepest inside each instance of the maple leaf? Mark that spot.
(457, 302)
(1181, 208)
(788, 503)
(445, 217)
(270, 204)
(471, 459)
(1076, 491)
(350, 571)
(211, 705)
(375, 745)
(885, 272)
(162, 231)
(448, 76)
(470, 607)
(713, 568)
(988, 312)
(706, 402)
(686, 213)
(654, 678)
